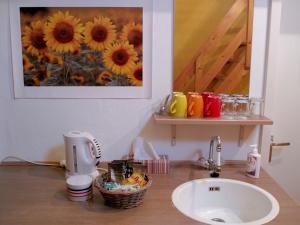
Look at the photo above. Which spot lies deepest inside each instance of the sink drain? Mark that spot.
(218, 220)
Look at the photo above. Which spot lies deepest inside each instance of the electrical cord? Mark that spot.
(61, 164)
(32, 162)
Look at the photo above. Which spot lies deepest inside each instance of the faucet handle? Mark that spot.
(212, 166)
(203, 162)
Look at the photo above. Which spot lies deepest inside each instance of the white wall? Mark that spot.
(5, 82)
(283, 96)
(33, 128)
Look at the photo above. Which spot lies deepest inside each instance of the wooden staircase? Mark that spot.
(233, 63)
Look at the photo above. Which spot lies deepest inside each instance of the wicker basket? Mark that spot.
(121, 199)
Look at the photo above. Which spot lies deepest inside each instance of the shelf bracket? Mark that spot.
(241, 135)
(173, 135)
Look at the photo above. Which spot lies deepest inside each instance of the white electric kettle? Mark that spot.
(83, 154)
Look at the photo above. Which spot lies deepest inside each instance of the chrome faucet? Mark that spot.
(213, 166)
(164, 108)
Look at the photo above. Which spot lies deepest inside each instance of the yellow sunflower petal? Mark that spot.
(100, 33)
(63, 32)
(33, 38)
(133, 33)
(136, 75)
(120, 58)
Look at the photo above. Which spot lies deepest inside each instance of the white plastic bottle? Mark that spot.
(253, 162)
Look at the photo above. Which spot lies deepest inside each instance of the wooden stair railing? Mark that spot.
(250, 10)
(234, 75)
(212, 41)
(203, 79)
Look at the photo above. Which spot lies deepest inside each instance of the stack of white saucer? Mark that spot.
(80, 187)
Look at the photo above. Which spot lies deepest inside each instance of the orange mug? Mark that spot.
(195, 106)
(190, 93)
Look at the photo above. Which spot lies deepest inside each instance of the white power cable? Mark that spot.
(60, 164)
(35, 163)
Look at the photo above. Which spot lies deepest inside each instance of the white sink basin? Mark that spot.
(225, 201)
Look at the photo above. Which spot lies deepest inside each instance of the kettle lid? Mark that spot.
(75, 134)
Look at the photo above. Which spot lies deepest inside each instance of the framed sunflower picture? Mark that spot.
(81, 49)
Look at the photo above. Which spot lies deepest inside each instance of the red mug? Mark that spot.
(212, 106)
(205, 95)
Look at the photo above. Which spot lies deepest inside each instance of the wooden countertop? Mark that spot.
(36, 195)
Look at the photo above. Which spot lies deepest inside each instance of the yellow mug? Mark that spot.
(195, 106)
(178, 107)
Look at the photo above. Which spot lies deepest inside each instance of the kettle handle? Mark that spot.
(96, 148)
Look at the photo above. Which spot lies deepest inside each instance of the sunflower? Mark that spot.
(63, 32)
(136, 75)
(78, 78)
(104, 77)
(27, 65)
(90, 57)
(100, 33)
(56, 59)
(120, 58)
(33, 38)
(51, 58)
(133, 33)
(39, 78)
(77, 52)
(48, 73)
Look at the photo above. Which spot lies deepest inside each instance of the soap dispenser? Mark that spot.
(253, 162)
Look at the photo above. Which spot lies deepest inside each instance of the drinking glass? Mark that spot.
(228, 108)
(256, 106)
(223, 96)
(242, 108)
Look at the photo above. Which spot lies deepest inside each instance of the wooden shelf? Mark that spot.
(252, 121)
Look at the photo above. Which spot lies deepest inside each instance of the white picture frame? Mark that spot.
(22, 91)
